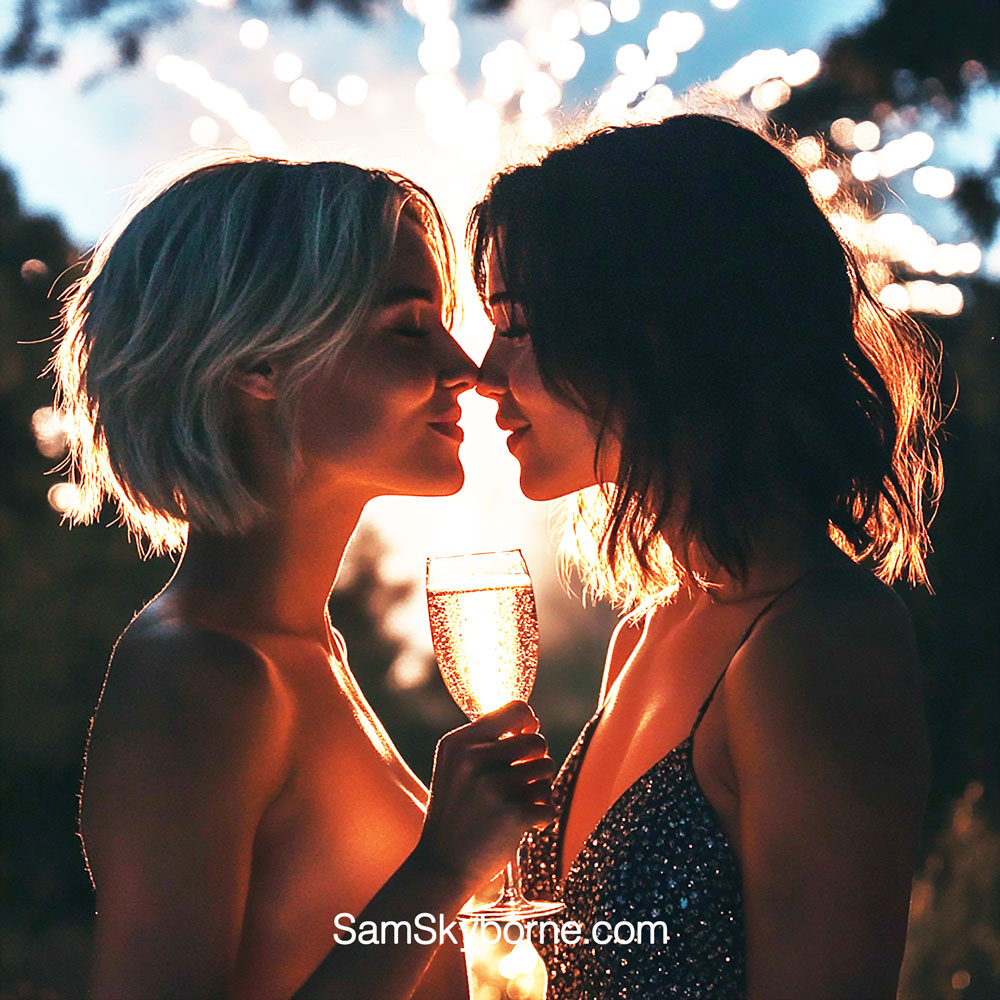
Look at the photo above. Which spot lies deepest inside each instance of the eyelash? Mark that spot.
(412, 332)
(513, 333)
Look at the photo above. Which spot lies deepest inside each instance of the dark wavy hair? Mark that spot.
(682, 287)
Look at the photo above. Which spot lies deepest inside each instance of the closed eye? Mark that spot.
(412, 332)
(512, 332)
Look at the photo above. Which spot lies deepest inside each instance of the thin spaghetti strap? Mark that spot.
(746, 635)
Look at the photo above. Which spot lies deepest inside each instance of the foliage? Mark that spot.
(920, 61)
(954, 937)
(917, 58)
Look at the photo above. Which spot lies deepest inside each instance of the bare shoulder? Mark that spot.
(826, 735)
(832, 675)
(180, 695)
(166, 663)
(841, 616)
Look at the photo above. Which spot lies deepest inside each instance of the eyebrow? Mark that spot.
(397, 296)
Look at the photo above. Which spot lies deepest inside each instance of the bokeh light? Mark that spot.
(63, 497)
(800, 67)
(624, 10)
(301, 92)
(630, 58)
(808, 151)
(522, 83)
(49, 428)
(204, 131)
(34, 270)
(842, 132)
(253, 33)
(567, 59)
(904, 153)
(287, 67)
(866, 135)
(937, 182)
(352, 90)
(565, 25)
(322, 106)
(865, 166)
(684, 29)
(595, 17)
(824, 183)
(770, 95)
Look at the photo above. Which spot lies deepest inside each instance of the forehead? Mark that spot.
(413, 269)
(412, 255)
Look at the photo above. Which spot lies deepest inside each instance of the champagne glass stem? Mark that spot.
(511, 885)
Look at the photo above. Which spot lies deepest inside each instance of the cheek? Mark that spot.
(373, 405)
(526, 384)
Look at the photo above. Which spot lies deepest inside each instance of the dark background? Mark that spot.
(66, 595)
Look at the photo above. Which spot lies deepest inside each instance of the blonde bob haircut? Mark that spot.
(220, 264)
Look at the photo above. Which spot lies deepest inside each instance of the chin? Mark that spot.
(445, 483)
(534, 489)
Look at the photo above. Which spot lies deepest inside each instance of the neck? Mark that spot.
(781, 555)
(275, 578)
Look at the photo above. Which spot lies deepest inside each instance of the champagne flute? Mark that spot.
(485, 633)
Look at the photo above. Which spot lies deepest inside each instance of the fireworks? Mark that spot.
(522, 93)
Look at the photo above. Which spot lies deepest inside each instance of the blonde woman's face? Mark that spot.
(385, 419)
(553, 442)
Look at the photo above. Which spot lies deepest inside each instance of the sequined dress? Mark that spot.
(658, 854)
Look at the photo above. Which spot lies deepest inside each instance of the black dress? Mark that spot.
(657, 855)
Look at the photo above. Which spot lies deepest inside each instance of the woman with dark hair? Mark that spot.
(257, 350)
(679, 326)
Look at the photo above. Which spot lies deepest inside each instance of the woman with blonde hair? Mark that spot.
(256, 351)
(679, 326)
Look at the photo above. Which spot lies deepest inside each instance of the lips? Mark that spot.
(516, 436)
(518, 428)
(449, 429)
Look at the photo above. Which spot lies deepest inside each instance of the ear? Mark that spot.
(260, 382)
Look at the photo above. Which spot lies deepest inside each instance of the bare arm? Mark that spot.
(187, 750)
(485, 792)
(826, 732)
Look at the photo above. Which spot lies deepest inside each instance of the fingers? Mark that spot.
(514, 717)
(494, 731)
(527, 771)
(526, 746)
(538, 815)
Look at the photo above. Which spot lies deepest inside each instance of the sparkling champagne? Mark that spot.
(485, 636)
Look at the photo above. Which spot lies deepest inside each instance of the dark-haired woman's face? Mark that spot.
(553, 442)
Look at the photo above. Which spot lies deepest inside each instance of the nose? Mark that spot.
(492, 379)
(458, 370)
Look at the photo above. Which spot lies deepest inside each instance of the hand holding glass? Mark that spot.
(485, 633)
